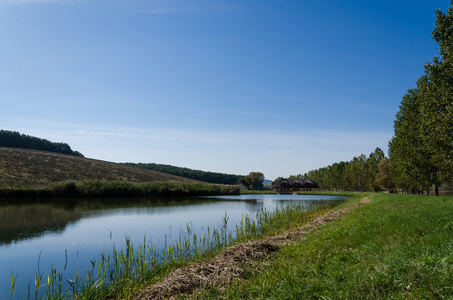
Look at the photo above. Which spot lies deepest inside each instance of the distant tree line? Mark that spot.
(362, 173)
(421, 150)
(211, 177)
(14, 139)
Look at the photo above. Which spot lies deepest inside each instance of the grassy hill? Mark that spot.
(211, 177)
(32, 168)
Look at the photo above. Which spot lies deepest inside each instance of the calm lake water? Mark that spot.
(37, 237)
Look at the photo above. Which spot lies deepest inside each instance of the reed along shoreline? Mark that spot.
(100, 189)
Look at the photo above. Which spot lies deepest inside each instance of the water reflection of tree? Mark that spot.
(29, 221)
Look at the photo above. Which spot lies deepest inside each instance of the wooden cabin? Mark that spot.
(290, 186)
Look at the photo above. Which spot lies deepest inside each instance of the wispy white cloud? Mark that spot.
(234, 151)
(275, 153)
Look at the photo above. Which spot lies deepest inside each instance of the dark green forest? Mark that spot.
(421, 151)
(13, 139)
(210, 177)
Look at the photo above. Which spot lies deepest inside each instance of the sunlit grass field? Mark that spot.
(395, 247)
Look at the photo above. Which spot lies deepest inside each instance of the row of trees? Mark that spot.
(254, 180)
(14, 139)
(211, 177)
(359, 174)
(421, 150)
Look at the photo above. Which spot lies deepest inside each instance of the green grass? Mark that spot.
(396, 247)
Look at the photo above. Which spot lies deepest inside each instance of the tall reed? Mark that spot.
(95, 188)
(121, 269)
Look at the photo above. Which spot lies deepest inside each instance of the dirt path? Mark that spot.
(228, 264)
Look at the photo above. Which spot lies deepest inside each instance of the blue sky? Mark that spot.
(281, 87)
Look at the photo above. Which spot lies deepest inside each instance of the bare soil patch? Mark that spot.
(228, 265)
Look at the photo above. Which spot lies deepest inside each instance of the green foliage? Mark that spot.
(91, 188)
(356, 175)
(411, 165)
(383, 178)
(14, 139)
(95, 188)
(421, 151)
(255, 180)
(211, 177)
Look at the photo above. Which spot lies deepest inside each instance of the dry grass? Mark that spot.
(35, 169)
(229, 264)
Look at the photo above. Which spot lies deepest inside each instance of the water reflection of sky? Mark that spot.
(97, 230)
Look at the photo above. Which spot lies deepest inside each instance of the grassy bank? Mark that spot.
(395, 247)
(261, 192)
(122, 273)
(94, 188)
(265, 192)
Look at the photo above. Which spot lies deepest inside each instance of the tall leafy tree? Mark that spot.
(421, 151)
(437, 107)
(371, 168)
(357, 172)
(410, 160)
(255, 180)
(383, 178)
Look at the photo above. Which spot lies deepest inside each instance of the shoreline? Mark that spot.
(229, 264)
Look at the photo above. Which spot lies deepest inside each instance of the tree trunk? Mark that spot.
(437, 190)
